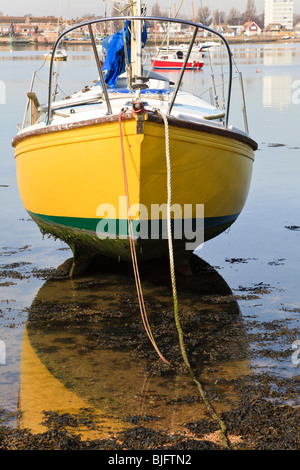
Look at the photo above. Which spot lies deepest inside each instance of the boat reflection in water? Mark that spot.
(85, 348)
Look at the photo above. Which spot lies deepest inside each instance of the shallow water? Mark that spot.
(240, 313)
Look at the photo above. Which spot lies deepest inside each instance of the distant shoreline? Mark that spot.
(25, 41)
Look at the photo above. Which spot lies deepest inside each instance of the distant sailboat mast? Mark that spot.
(168, 39)
(10, 38)
(194, 18)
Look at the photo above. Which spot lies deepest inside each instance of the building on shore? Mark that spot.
(279, 11)
(47, 28)
(28, 25)
(224, 29)
(250, 28)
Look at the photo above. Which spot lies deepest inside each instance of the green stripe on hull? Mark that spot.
(89, 225)
(80, 234)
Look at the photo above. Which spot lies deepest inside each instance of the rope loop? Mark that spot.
(138, 107)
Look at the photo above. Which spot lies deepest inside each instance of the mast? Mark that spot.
(138, 38)
(169, 24)
(136, 47)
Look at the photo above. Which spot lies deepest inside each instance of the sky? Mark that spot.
(77, 8)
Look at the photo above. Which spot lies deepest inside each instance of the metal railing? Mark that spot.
(89, 24)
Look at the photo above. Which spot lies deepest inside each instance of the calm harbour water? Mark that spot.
(257, 260)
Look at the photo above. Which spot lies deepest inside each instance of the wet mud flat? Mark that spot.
(97, 316)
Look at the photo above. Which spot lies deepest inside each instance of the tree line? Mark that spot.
(206, 17)
(235, 17)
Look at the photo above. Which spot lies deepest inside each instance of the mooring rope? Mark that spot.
(211, 410)
(174, 289)
(133, 250)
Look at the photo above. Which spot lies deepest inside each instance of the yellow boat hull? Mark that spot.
(72, 178)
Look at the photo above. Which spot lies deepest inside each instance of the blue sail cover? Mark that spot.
(113, 47)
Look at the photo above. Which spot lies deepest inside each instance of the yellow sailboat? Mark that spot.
(91, 163)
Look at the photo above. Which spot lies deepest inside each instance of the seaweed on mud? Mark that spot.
(12, 274)
(10, 270)
(140, 437)
(202, 427)
(138, 419)
(262, 424)
(190, 444)
(265, 425)
(257, 289)
(238, 260)
(294, 228)
(256, 422)
(265, 417)
(272, 144)
(52, 439)
(56, 420)
(277, 262)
